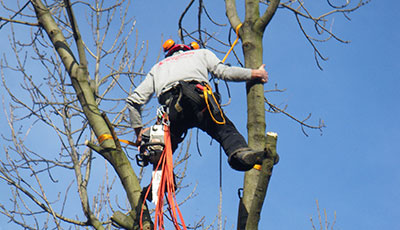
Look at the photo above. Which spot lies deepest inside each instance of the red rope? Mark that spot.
(166, 189)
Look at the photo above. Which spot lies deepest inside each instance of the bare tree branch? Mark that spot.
(11, 19)
(180, 32)
(16, 21)
(302, 123)
(231, 13)
(320, 22)
(263, 21)
(52, 102)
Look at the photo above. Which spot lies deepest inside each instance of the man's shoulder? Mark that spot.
(205, 53)
(203, 50)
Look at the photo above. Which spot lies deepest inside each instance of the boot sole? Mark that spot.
(254, 158)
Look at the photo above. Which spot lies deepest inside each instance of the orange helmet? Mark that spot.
(194, 45)
(170, 47)
(168, 44)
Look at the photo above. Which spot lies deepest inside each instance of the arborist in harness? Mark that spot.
(181, 84)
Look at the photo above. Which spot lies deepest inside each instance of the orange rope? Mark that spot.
(107, 136)
(127, 142)
(167, 183)
(104, 137)
(166, 189)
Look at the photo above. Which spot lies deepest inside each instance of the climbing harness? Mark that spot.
(200, 94)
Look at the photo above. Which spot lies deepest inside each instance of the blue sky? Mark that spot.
(352, 168)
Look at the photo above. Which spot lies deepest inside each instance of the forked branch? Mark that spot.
(275, 109)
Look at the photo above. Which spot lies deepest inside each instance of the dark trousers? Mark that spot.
(196, 114)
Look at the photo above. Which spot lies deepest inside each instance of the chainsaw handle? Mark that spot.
(145, 145)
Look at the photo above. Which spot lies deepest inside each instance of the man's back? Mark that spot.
(193, 65)
(183, 66)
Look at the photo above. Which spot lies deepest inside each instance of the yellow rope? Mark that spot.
(107, 136)
(104, 137)
(234, 43)
(127, 142)
(207, 90)
(257, 167)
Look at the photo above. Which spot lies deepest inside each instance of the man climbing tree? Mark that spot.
(182, 87)
(72, 98)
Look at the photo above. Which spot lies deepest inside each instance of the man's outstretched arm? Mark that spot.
(260, 74)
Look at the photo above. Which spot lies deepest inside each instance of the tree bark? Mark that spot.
(251, 34)
(109, 148)
(249, 217)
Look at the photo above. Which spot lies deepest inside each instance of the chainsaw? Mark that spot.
(151, 146)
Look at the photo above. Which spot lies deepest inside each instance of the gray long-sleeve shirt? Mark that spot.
(182, 66)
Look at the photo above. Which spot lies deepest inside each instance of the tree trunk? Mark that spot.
(109, 148)
(252, 49)
(251, 34)
(250, 210)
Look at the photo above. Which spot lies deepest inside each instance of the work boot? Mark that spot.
(244, 159)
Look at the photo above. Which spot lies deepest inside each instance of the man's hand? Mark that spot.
(139, 131)
(260, 74)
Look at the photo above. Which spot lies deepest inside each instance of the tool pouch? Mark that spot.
(214, 105)
(189, 91)
(212, 100)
